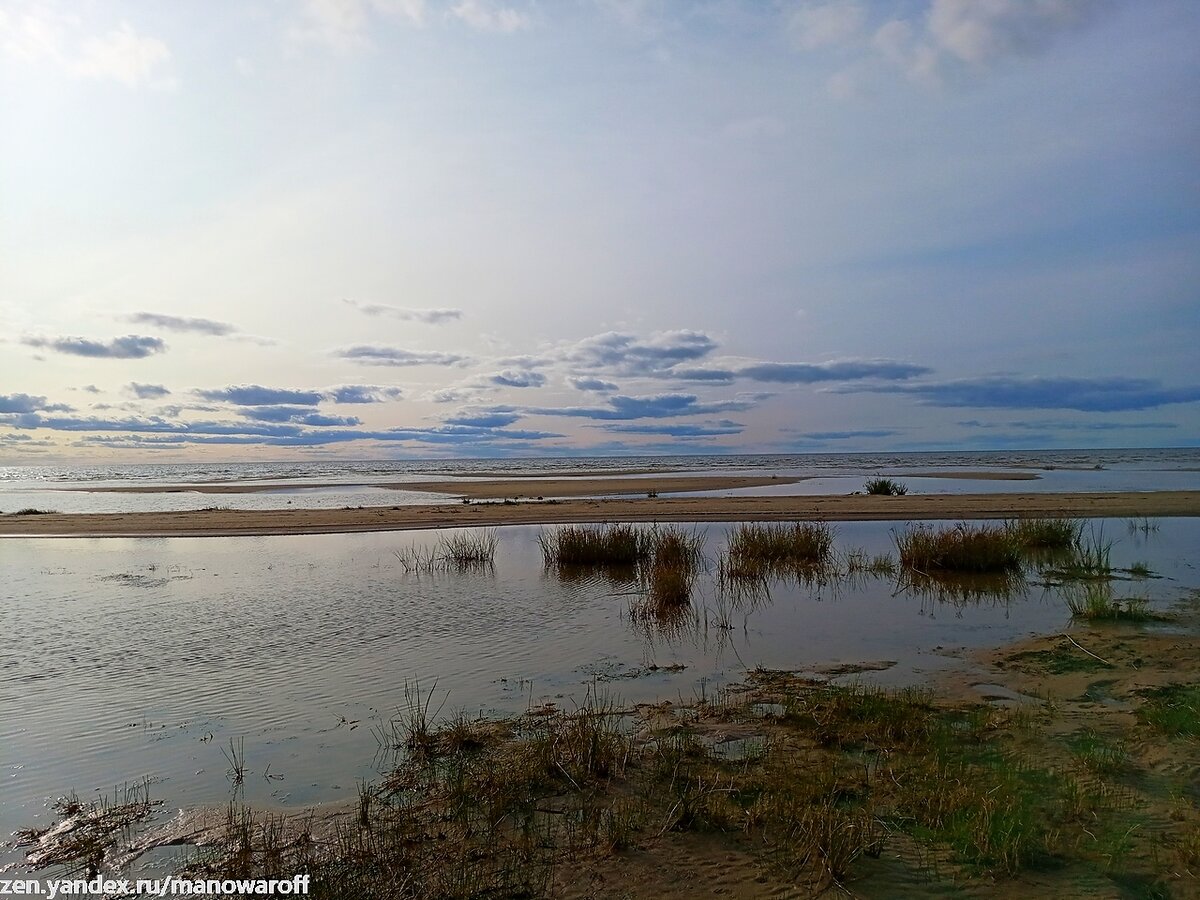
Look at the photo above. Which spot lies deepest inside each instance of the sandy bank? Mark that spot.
(491, 489)
(219, 522)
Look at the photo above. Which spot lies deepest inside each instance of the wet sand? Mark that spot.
(224, 522)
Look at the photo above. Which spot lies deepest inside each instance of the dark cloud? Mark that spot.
(405, 314)
(629, 355)
(710, 375)
(518, 378)
(90, 388)
(1051, 426)
(494, 418)
(132, 346)
(845, 435)
(713, 429)
(147, 391)
(658, 406)
(363, 393)
(595, 385)
(257, 395)
(846, 370)
(183, 323)
(1005, 392)
(298, 414)
(395, 356)
(27, 403)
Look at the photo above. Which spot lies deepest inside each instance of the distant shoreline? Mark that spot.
(235, 523)
(525, 486)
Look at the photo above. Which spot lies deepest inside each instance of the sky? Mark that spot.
(374, 229)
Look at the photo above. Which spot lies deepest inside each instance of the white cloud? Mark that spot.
(979, 32)
(825, 24)
(342, 24)
(483, 16)
(122, 54)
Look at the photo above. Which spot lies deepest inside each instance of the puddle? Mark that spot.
(144, 658)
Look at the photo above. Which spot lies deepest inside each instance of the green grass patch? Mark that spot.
(1061, 659)
(1041, 534)
(1173, 709)
(1094, 601)
(885, 487)
(962, 548)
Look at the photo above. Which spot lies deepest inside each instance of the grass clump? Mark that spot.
(461, 551)
(34, 511)
(963, 548)
(756, 549)
(885, 487)
(676, 557)
(1173, 709)
(1095, 603)
(595, 546)
(1045, 533)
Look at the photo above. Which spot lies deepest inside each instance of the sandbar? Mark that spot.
(227, 522)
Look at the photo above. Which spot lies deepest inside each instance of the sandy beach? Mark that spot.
(225, 522)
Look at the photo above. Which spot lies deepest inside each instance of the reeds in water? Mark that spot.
(757, 549)
(963, 548)
(461, 551)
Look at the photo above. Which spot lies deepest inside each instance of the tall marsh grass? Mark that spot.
(963, 548)
(758, 549)
(590, 545)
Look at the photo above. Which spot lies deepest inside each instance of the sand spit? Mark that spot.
(498, 488)
(226, 522)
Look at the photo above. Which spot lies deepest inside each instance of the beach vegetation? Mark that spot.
(615, 545)
(1173, 709)
(962, 548)
(886, 487)
(1045, 533)
(465, 550)
(757, 549)
(34, 511)
(1094, 601)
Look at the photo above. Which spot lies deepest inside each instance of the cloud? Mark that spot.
(713, 429)
(974, 35)
(815, 25)
(657, 406)
(363, 393)
(979, 33)
(629, 355)
(595, 385)
(394, 356)
(132, 346)
(38, 34)
(494, 418)
(342, 25)
(90, 388)
(405, 314)
(845, 435)
(1006, 392)
(27, 403)
(123, 55)
(257, 395)
(844, 370)
(485, 16)
(1049, 426)
(147, 391)
(182, 323)
(518, 378)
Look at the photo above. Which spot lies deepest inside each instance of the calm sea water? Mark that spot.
(142, 658)
(334, 484)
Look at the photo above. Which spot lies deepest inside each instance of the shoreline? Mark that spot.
(832, 508)
(493, 487)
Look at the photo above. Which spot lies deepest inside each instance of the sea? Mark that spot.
(339, 483)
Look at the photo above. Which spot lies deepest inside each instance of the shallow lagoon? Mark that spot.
(132, 658)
